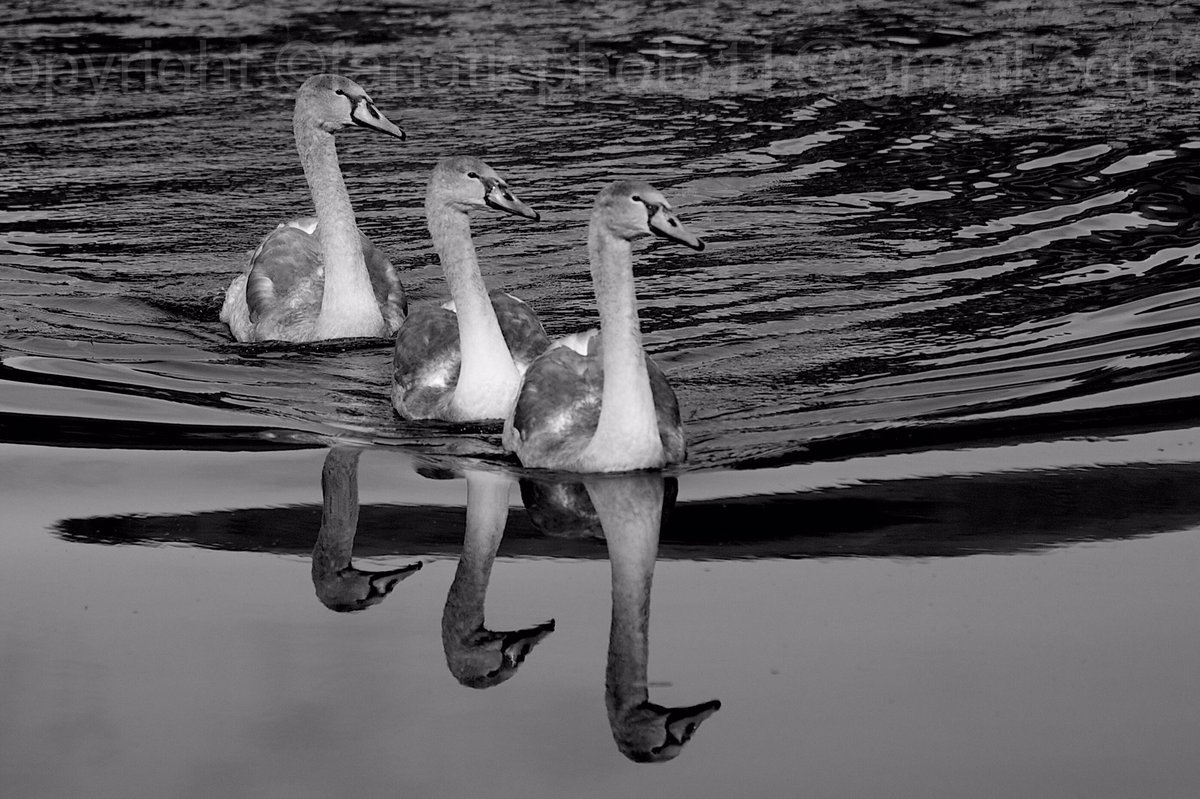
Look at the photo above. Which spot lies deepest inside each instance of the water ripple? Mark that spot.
(893, 253)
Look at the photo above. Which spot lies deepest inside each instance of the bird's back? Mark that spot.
(523, 331)
(425, 363)
(558, 409)
(283, 288)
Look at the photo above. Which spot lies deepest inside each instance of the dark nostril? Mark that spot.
(674, 223)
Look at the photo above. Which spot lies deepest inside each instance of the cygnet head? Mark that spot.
(465, 182)
(631, 209)
(331, 102)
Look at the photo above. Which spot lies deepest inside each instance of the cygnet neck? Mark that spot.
(348, 304)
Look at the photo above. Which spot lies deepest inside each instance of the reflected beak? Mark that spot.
(681, 725)
(366, 115)
(683, 721)
(382, 583)
(519, 643)
(499, 197)
(664, 223)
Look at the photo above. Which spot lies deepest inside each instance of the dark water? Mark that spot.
(938, 366)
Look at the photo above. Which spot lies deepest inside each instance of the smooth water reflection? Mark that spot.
(479, 657)
(922, 638)
(629, 510)
(339, 584)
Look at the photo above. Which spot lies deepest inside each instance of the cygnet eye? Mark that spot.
(473, 175)
(651, 208)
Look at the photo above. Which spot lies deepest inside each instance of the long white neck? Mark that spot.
(487, 514)
(488, 379)
(348, 305)
(630, 512)
(627, 433)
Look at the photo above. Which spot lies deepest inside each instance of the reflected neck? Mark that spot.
(487, 514)
(630, 512)
(339, 511)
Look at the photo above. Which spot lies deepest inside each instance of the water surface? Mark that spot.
(936, 535)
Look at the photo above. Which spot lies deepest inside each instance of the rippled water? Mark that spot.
(948, 307)
(993, 232)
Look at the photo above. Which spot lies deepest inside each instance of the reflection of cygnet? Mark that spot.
(476, 656)
(630, 509)
(338, 584)
(560, 509)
